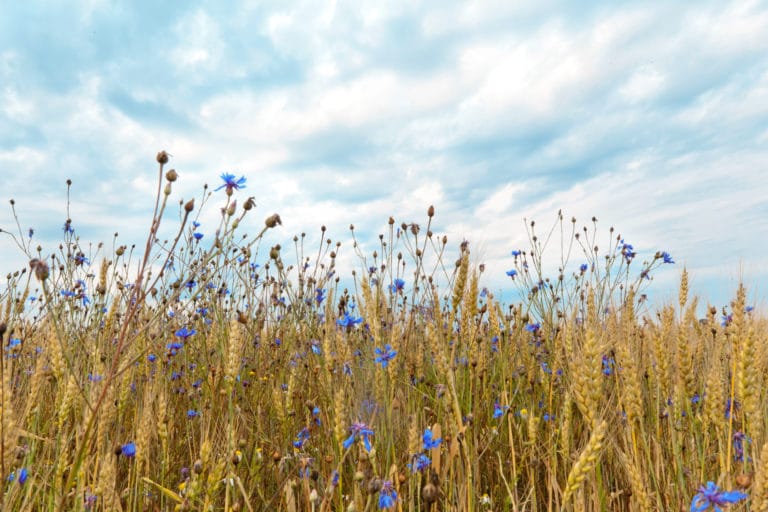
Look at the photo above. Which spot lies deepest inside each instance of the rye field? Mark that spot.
(208, 370)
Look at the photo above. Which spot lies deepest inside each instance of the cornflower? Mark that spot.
(385, 355)
(398, 286)
(349, 320)
(230, 183)
(429, 441)
(710, 495)
(362, 431)
(185, 333)
(387, 495)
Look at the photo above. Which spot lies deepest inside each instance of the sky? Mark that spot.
(651, 116)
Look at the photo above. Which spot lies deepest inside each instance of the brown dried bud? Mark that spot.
(744, 480)
(415, 229)
(40, 268)
(120, 250)
(429, 493)
(190, 205)
(162, 158)
(197, 467)
(231, 208)
(431, 211)
(249, 203)
(391, 221)
(374, 485)
(273, 220)
(171, 175)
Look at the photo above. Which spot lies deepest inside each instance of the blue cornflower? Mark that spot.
(192, 414)
(512, 273)
(230, 183)
(421, 463)
(429, 442)
(627, 251)
(667, 257)
(608, 365)
(710, 495)
(349, 320)
(198, 236)
(80, 259)
(533, 327)
(583, 267)
(319, 295)
(31, 232)
(385, 355)
(151, 358)
(387, 495)
(499, 410)
(398, 286)
(195, 224)
(191, 284)
(516, 253)
(128, 449)
(301, 438)
(68, 227)
(185, 333)
(359, 430)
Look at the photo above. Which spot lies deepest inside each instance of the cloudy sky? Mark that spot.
(651, 116)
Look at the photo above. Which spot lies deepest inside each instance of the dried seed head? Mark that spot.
(249, 204)
(431, 211)
(273, 220)
(162, 158)
(40, 268)
(429, 493)
(171, 175)
(190, 205)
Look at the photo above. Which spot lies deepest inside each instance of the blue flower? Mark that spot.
(533, 327)
(128, 449)
(710, 495)
(387, 495)
(429, 442)
(385, 355)
(198, 236)
(185, 333)
(516, 253)
(359, 430)
(195, 224)
(627, 251)
(349, 320)
(512, 273)
(398, 286)
(192, 414)
(301, 438)
(420, 464)
(499, 410)
(230, 183)
(583, 267)
(667, 257)
(319, 295)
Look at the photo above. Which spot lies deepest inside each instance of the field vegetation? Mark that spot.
(210, 371)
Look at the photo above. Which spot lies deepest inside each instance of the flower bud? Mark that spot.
(171, 175)
(162, 158)
(431, 211)
(250, 203)
(231, 208)
(190, 205)
(167, 189)
(273, 220)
